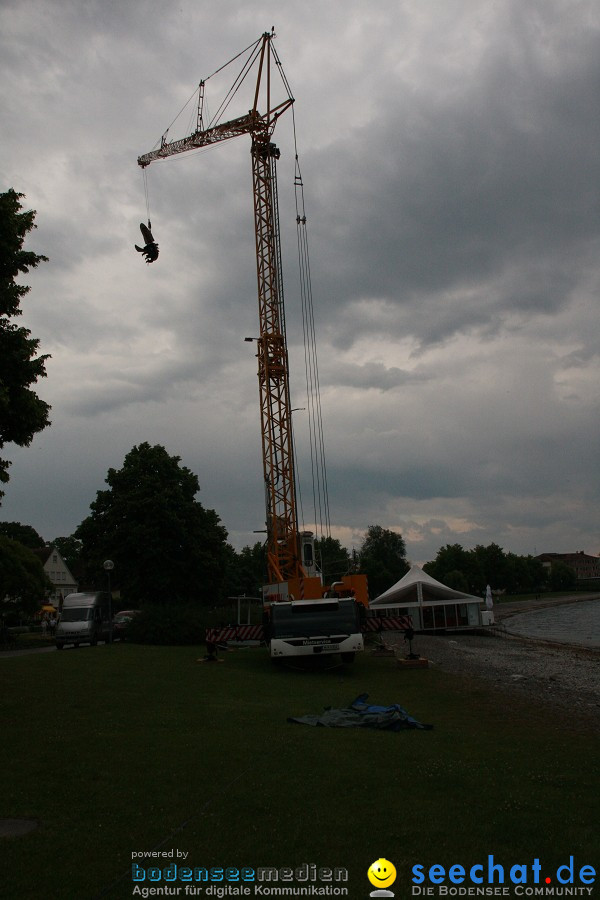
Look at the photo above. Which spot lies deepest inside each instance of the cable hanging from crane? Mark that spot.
(236, 84)
(146, 194)
(311, 363)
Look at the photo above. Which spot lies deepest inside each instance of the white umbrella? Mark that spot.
(488, 598)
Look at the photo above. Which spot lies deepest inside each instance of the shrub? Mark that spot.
(180, 623)
(168, 624)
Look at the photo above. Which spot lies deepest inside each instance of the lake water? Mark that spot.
(574, 623)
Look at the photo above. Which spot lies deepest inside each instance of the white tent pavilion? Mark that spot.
(431, 604)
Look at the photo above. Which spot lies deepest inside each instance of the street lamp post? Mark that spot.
(108, 567)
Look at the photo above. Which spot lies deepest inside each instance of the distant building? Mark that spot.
(583, 565)
(59, 574)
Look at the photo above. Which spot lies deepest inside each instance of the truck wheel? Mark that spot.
(59, 646)
(93, 643)
(347, 657)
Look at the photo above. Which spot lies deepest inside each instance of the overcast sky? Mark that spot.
(450, 151)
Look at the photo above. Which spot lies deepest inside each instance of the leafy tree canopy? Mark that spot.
(22, 413)
(382, 558)
(456, 580)
(492, 564)
(453, 560)
(332, 559)
(246, 571)
(164, 544)
(562, 576)
(70, 550)
(23, 582)
(25, 534)
(475, 569)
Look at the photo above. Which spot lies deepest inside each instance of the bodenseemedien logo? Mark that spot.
(216, 882)
(382, 874)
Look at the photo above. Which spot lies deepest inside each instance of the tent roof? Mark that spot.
(417, 585)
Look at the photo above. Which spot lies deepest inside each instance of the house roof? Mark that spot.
(44, 553)
(417, 586)
(577, 556)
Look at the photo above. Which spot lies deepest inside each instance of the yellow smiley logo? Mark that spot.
(382, 873)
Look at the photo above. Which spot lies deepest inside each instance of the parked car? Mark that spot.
(121, 621)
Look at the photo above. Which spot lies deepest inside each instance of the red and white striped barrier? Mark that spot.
(234, 633)
(387, 623)
(256, 632)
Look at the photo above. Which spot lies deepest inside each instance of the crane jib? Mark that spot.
(236, 127)
(252, 123)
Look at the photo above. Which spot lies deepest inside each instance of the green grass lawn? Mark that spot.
(128, 748)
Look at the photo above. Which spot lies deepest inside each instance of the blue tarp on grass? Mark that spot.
(361, 714)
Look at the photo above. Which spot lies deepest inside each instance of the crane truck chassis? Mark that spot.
(315, 627)
(309, 628)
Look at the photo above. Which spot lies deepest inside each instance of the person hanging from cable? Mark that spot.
(150, 248)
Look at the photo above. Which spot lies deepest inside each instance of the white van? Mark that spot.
(84, 619)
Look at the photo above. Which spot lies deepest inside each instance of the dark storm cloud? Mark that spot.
(449, 154)
(369, 376)
(478, 198)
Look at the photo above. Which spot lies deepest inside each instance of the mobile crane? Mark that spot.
(294, 595)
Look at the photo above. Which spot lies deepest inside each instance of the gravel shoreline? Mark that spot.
(554, 674)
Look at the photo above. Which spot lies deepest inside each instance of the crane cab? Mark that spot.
(306, 540)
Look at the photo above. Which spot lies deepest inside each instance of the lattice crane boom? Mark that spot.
(273, 368)
(252, 123)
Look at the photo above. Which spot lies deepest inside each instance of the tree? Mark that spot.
(22, 413)
(24, 534)
(483, 566)
(524, 574)
(562, 577)
(450, 560)
(492, 564)
(332, 559)
(23, 582)
(70, 550)
(382, 558)
(164, 544)
(246, 572)
(456, 580)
